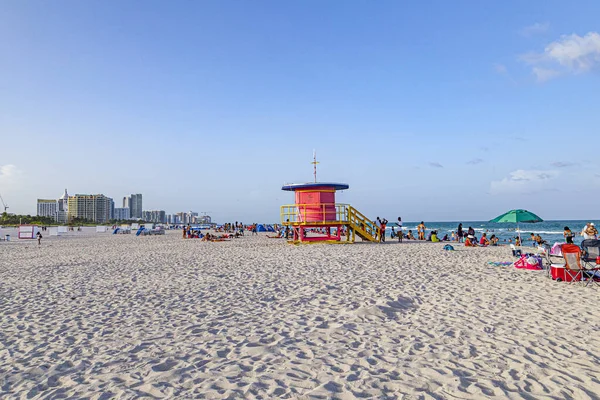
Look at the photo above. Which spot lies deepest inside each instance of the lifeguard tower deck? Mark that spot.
(317, 218)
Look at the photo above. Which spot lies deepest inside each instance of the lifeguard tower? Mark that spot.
(317, 218)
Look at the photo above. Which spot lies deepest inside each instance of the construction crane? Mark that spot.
(3, 203)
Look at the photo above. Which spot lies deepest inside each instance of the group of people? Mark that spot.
(471, 241)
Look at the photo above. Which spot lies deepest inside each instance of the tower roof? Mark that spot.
(64, 196)
(314, 185)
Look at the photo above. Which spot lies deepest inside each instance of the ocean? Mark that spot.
(550, 231)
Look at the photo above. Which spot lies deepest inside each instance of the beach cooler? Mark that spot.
(559, 273)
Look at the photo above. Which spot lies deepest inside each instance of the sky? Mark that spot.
(430, 110)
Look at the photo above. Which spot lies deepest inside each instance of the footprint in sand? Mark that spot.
(164, 366)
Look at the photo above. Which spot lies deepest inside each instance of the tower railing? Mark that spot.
(314, 214)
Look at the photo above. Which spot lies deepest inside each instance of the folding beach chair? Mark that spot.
(515, 252)
(573, 268)
(590, 252)
(544, 252)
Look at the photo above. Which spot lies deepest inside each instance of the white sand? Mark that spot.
(118, 316)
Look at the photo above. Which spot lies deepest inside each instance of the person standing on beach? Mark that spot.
(591, 231)
(568, 235)
(421, 230)
(400, 234)
(39, 238)
(383, 225)
(459, 233)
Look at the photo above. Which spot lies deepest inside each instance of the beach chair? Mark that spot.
(544, 253)
(515, 252)
(573, 268)
(590, 249)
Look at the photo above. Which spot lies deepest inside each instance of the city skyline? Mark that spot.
(437, 111)
(100, 208)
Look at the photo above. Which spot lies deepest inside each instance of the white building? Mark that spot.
(122, 214)
(47, 208)
(62, 208)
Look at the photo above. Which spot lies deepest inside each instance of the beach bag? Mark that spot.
(448, 247)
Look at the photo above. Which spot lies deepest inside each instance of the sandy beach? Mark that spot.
(103, 316)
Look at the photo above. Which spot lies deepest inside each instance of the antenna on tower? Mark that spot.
(314, 163)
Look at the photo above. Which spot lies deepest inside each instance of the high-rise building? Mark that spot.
(157, 216)
(93, 207)
(136, 206)
(186, 218)
(122, 214)
(127, 202)
(204, 219)
(111, 210)
(63, 208)
(47, 208)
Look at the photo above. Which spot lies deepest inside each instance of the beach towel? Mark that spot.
(448, 247)
(529, 261)
(500, 263)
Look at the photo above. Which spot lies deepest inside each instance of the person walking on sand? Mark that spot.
(400, 234)
(39, 238)
(459, 233)
(421, 230)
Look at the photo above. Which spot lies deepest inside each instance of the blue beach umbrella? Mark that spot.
(516, 217)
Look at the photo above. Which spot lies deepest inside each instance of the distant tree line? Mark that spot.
(14, 219)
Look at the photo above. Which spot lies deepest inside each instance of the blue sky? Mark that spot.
(434, 110)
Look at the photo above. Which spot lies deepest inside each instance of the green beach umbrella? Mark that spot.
(516, 217)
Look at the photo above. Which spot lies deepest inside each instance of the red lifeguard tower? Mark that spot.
(317, 218)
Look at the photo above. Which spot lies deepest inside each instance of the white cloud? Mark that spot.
(577, 53)
(544, 74)
(571, 54)
(535, 29)
(524, 182)
(563, 164)
(8, 171)
(475, 161)
(500, 69)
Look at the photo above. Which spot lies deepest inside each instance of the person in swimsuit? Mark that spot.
(400, 234)
(421, 230)
(568, 235)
